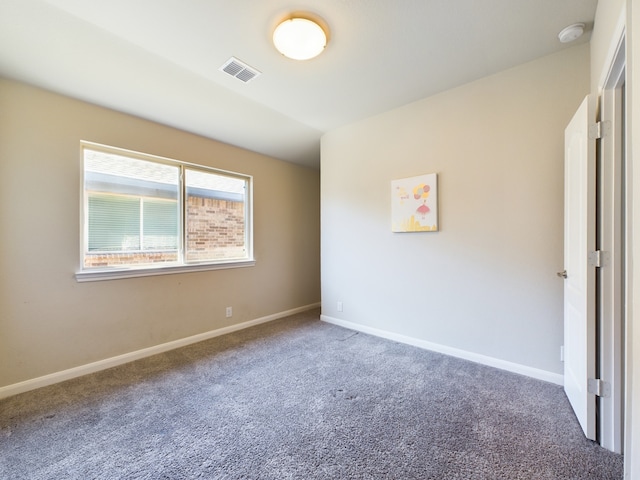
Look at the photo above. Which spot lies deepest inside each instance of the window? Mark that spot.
(146, 215)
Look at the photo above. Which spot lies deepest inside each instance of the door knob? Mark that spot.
(562, 274)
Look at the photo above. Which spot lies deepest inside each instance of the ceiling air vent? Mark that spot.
(241, 71)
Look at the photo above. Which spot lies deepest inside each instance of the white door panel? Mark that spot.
(579, 288)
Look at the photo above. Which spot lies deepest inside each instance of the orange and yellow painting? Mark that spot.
(414, 204)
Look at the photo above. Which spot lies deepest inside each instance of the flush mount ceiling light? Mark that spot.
(571, 33)
(299, 38)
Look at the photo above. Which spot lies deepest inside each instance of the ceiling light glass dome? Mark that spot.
(299, 38)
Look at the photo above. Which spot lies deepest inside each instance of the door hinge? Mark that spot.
(599, 130)
(595, 258)
(598, 387)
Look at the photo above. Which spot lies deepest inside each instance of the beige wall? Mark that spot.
(48, 321)
(610, 19)
(486, 283)
(632, 445)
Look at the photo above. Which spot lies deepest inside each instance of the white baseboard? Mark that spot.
(537, 373)
(63, 375)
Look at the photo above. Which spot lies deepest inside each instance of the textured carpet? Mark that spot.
(298, 398)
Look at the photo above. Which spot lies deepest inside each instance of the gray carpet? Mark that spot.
(298, 398)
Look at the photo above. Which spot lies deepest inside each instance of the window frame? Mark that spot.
(85, 274)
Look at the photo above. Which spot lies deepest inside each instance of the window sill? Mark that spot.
(115, 273)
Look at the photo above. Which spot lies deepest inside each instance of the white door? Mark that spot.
(579, 286)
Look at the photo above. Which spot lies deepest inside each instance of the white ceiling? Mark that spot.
(160, 59)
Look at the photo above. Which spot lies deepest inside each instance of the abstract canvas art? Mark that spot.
(414, 204)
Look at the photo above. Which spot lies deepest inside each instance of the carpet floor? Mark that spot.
(298, 398)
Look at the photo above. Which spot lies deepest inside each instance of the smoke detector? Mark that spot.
(571, 33)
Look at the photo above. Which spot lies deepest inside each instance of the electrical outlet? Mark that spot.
(339, 306)
(229, 312)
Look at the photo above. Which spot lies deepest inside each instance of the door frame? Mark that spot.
(612, 239)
